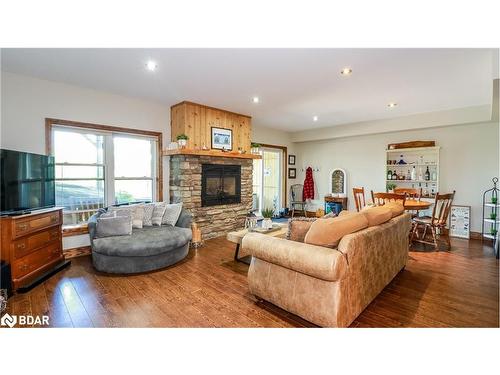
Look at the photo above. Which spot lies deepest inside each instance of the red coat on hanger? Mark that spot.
(308, 192)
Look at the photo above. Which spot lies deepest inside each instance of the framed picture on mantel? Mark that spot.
(222, 139)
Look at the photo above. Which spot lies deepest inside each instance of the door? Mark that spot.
(268, 180)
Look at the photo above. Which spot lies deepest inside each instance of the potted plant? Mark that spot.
(390, 187)
(182, 140)
(255, 148)
(267, 213)
(493, 216)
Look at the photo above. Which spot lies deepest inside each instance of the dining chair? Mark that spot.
(296, 198)
(359, 198)
(438, 220)
(410, 192)
(379, 199)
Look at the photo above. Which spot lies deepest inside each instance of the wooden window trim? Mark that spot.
(285, 170)
(74, 230)
(51, 122)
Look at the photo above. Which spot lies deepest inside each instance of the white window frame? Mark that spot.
(109, 177)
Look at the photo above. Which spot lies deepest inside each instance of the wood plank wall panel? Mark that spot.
(196, 120)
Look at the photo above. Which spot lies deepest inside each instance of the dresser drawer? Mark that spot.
(36, 260)
(26, 226)
(30, 243)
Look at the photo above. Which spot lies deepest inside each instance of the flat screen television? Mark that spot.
(27, 182)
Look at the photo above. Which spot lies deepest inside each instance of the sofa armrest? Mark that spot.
(316, 261)
(184, 220)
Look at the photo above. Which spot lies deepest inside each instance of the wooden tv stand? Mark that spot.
(32, 245)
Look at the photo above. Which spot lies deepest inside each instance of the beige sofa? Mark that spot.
(328, 287)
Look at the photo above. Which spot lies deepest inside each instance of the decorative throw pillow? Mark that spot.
(172, 213)
(329, 215)
(136, 210)
(298, 227)
(114, 226)
(147, 221)
(158, 212)
(345, 212)
(329, 232)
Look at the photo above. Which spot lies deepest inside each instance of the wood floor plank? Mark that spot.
(454, 288)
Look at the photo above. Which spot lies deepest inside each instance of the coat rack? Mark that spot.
(314, 169)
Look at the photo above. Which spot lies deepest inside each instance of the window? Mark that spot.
(134, 171)
(97, 168)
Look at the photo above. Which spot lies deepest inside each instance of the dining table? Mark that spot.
(416, 205)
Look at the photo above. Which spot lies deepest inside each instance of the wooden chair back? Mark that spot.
(410, 192)
(296, 192)
(441, 210)
(379, 199)
(359, 197)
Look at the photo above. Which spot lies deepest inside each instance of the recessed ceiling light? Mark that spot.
(255, 99)
(151, 65)
(346, 71)
(392, 104)
(315, 118)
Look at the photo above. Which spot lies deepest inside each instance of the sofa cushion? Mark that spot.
(113, 226)
(329, 232)
(137, 213)
(148, 214)
(298, 228)
(377, 215)
(396, 208)
(172, 213)
(143, 242)
(158, 212)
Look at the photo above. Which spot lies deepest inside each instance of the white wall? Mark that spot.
(469, 158)
(26, 102)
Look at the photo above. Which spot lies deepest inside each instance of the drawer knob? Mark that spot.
(21, 245)
(22, 226)
(53, 218)
(24, 267)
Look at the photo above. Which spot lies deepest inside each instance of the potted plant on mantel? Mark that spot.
(390, 187)
(267, 213)
(255, 148)
(182, 140)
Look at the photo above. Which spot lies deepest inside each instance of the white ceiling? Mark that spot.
(292, 84)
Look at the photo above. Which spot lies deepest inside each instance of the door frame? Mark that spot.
(284, 178)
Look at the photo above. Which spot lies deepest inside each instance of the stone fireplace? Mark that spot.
(217, 190)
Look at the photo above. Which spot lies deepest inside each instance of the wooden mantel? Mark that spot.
(185, 151)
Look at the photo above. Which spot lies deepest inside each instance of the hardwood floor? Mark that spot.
(457, 288)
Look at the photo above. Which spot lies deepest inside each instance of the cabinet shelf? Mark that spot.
(412, 181)
(412, 165)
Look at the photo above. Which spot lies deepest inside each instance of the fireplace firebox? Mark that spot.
(220, 184)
